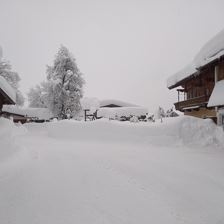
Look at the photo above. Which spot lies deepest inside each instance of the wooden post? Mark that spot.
(85, 114)
(216, 80)
(216, 73)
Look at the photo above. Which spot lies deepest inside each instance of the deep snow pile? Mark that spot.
(182, 130)
(8, 133)
(199, 132)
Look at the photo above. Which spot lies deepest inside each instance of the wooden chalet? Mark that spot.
(200, 85)
(7, 94)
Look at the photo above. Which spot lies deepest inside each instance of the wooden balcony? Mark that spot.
(194, 102)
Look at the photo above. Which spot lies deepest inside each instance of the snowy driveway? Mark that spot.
(55, 180)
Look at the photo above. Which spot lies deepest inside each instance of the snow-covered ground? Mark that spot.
(112, 172)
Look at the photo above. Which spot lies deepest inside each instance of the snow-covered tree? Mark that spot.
(12, 78)
(65, 85)
(37, 96)
(161, 112)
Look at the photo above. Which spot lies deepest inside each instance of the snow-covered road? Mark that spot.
(66, 180)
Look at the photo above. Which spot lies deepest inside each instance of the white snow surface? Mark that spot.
(104, 171)
(217, 96)
(109, 112)
(211, 51)
(41, 113)
(8, 139)
(7, 89)
(120, 103)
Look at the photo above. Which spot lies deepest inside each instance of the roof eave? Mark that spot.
(199, 69)
(181, 82)
(8, 100)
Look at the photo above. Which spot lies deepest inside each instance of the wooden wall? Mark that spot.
(221, 71)
(201, 113)
(200, 85)
(1, 101)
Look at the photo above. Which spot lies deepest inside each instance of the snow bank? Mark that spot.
(8, 133)
(200, 132)
(7, 89)
(109, 112)
(173, 131)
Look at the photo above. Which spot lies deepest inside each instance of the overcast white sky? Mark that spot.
(126, 49)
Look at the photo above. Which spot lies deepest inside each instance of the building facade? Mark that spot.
(200, 85)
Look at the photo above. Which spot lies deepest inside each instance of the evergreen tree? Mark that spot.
(65, 85)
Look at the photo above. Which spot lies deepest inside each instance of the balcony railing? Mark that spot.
(197, 101)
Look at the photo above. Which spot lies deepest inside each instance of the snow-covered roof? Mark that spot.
(181, 75)
(109, 112)
(7, 89)
(41, 113)
(217, 96)
(119, 103)
(211, 51)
